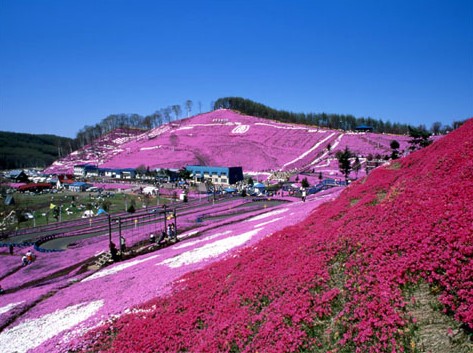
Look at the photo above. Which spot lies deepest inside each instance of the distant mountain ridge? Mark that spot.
(21, 150)
(226, 138)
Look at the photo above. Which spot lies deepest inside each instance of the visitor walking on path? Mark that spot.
(174, 232)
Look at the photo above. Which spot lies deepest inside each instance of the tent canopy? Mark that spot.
(101, 211)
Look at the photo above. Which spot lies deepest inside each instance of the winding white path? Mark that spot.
(313, 148)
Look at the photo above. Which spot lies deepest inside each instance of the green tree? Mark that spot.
(395, 149)
(347, 122)
(436, 128)
(132, 207)
(176, 109)
(344, 163)
(184, 174)
(188, 106)
(141, 169)
(394, 145)
(420, 138)
(105, 205)
(305, 183)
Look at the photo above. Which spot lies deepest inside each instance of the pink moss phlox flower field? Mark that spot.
(336, 279)
(72, 298)
(326, 275)
(220, 136)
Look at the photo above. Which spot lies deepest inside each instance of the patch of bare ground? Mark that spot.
(437, 332)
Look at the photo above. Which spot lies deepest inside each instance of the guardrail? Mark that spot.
(37, 244)
(17, 245)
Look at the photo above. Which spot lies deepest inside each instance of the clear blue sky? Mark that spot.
(65, 64)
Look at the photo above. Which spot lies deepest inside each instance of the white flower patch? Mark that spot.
(189, 234)
(266, 215)
(210, 237)
(32, 333)
(115, 269)
(150, 148)
(313, 148)
(8, 307)
(209, 250)
(320, 158)
(268, 222)
(241, 129)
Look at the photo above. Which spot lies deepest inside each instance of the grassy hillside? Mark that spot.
(18, 150)
(352, 277)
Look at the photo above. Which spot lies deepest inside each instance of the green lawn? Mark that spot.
(71, 205)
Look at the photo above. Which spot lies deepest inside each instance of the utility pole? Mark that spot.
(119, 228)
(165, 218)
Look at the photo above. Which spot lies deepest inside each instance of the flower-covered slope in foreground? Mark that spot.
(338, 281)
(56, 298)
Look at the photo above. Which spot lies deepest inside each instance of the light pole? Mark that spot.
(165, 218)
(109, 231)
(175, 221)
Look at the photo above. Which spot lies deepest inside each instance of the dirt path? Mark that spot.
(438, 333)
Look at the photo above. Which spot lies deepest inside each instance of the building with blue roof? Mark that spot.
(217, 175)
(79, 186)
(364, 128)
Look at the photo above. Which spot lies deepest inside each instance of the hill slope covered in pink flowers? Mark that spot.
(225, 138)
(346, 279)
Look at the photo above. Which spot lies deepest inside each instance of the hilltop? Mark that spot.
(97, 152)
(227, 138)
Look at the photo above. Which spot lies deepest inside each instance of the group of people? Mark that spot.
(167, 235)
(27, 258)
